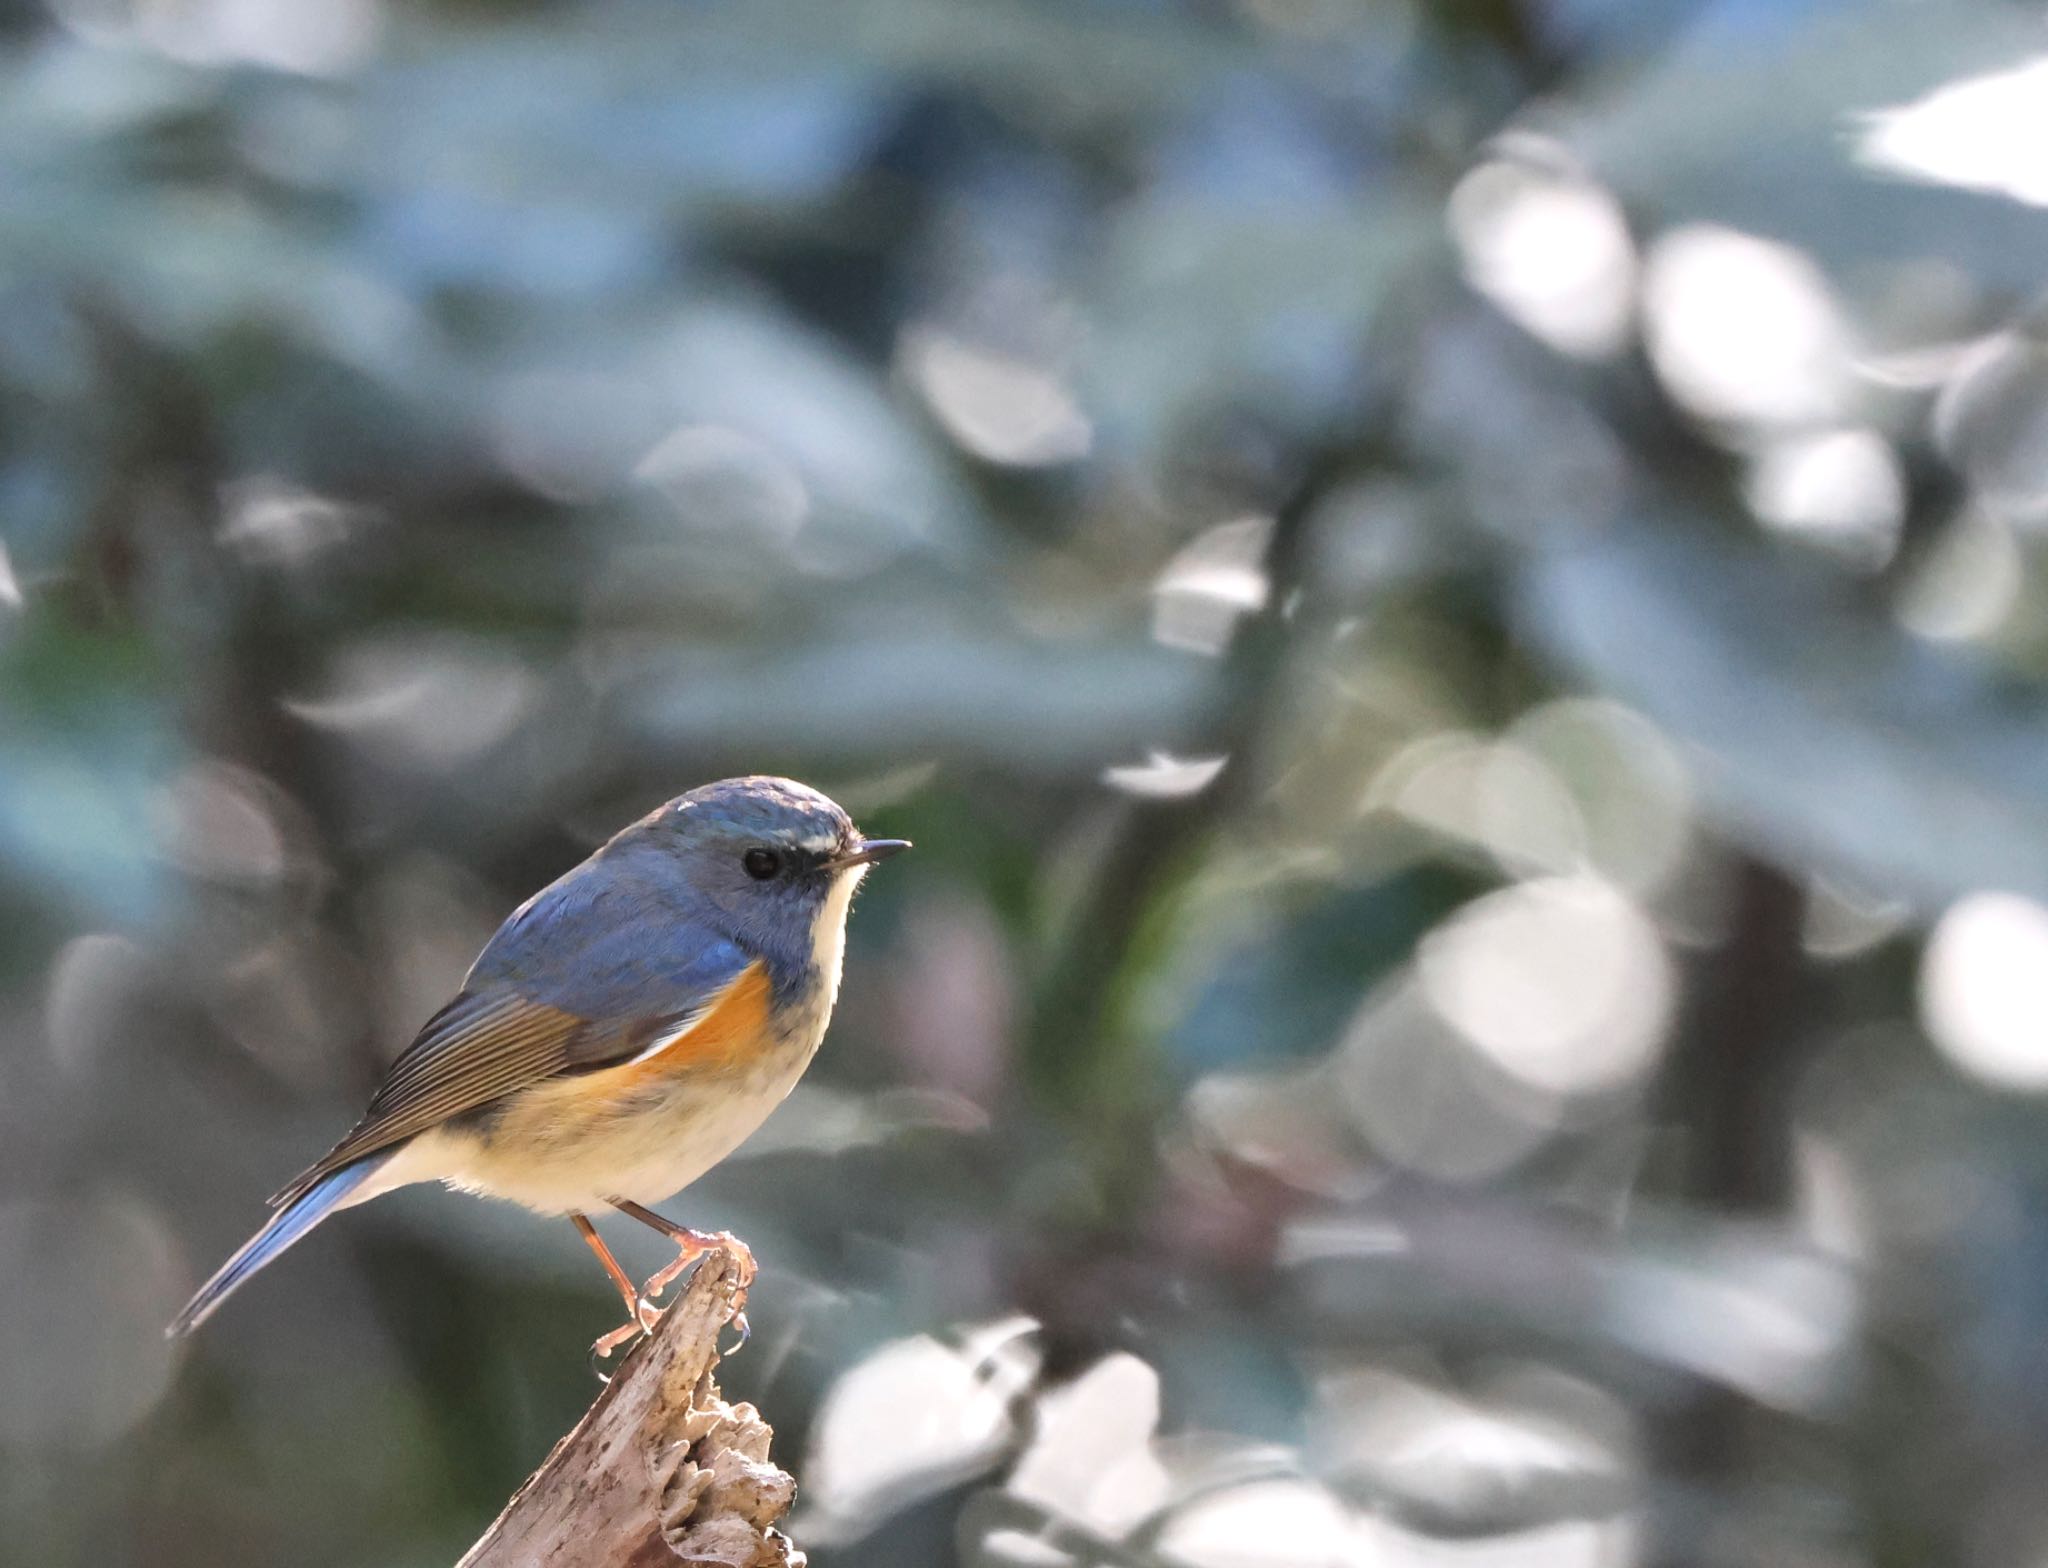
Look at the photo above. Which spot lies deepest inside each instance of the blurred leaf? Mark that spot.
(1821, 728)
(83, 749)
(1204, 308)
(1754, 129)
(1294, 966)
(1041, 708)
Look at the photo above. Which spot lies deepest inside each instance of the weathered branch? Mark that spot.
(661, 1470)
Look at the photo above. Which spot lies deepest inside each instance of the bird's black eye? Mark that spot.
(761, 864)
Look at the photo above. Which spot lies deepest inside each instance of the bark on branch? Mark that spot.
(661, 1470)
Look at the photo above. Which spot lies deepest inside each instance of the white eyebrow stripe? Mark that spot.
(818, 842)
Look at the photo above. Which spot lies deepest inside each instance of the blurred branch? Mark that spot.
(661, 1469)
(1153, 839)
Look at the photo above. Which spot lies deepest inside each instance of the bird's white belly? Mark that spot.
(554, 1154)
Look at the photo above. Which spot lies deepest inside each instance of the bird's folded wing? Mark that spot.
(484, 1045)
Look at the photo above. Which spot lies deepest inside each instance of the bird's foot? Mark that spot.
(692, 1245)
(690, 1248)
(646, 1316)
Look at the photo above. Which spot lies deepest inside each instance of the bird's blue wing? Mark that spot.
(587, 973)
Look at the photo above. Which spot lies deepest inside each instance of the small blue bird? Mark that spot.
(623, 1032)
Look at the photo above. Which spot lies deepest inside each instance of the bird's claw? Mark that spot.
(741, 1254)
(601, 1350)
(744, 1328)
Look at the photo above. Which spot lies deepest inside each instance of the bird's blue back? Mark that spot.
(609, 939)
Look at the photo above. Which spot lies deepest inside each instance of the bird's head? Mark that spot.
(776, 858)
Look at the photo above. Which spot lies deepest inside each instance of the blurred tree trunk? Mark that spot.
(1727, 1096)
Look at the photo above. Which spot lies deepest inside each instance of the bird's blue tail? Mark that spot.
(286, 1226)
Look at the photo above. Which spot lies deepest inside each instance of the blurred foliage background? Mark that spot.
(1450, 589)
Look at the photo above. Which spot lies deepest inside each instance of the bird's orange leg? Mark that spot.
(690, 1246)
(636, 1310)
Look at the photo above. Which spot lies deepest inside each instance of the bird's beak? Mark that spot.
(867, 852)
